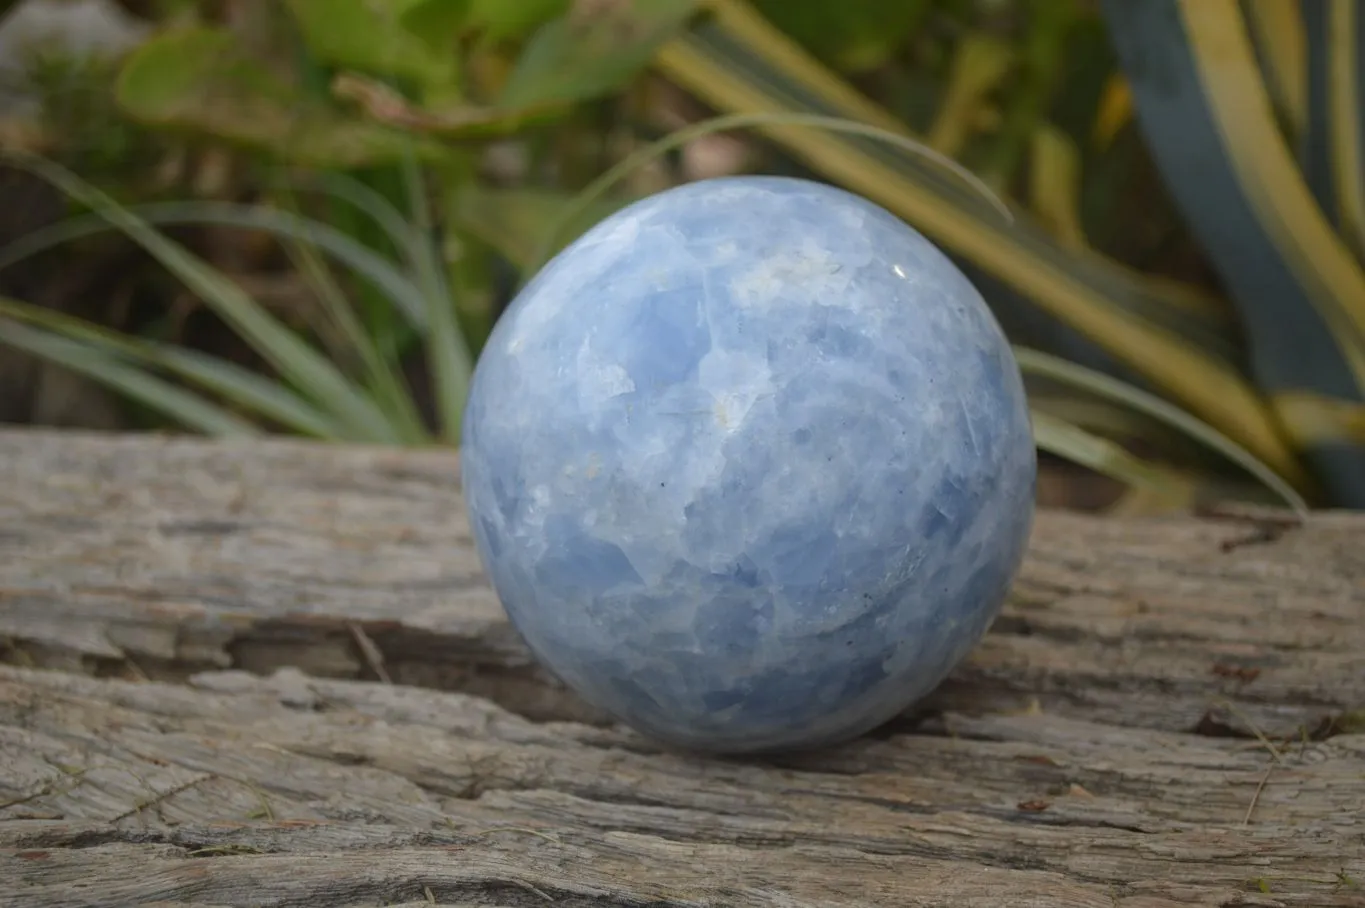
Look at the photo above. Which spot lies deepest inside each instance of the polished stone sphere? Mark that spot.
(749, 465)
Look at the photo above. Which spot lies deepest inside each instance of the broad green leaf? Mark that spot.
(1208, 119)
(246, 389)
(592, 50)
(202, 80)
(378, 37)
(736, 62)
(188, 409)
(436, 22)
(852, 35)
(286, 352)
(502, 19)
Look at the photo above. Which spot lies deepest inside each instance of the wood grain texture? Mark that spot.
(242, 790)
(189, 715)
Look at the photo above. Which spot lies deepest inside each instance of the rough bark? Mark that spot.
(1168, 713)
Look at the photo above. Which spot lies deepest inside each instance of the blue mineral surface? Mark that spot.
(749, 465)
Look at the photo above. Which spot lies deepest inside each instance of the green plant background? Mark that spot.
(305, 217)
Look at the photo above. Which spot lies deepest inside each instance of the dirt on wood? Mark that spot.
(196, 709)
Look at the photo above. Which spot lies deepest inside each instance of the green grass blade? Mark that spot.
(300, 234)
(448, 353)
(294, 359)
(374, 206)
(367, 264)
(385, 383)
(187, 409)
(1071, 442)
(1043, 364)
(240, 386)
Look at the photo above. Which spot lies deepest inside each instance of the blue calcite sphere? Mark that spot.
(749, 465)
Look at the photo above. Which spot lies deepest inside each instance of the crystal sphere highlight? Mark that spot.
(749, 465)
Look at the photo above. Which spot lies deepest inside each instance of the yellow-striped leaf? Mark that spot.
(737, 62)
(1210, 122)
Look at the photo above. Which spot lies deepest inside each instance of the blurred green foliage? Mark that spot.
(416, 159)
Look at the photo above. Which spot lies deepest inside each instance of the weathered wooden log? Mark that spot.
(273, 674)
